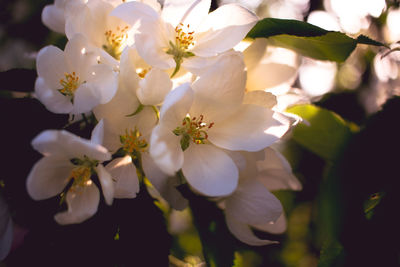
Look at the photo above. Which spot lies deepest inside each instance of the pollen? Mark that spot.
(133, 142)
(142, 72)
(115, 41)
(69, 84)
(179, 48)
(194, 129)
(184, 37)
(81, 176)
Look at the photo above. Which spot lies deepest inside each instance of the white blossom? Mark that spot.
(184, 31)
(71, 81)
(197, 122)
(69, 158)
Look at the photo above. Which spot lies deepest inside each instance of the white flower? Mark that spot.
(273, 70)
(108, 33)
(71, 159)
(185, 31)
(72, 81)
(252, 205)
(131, 132)
(198, 122)
(53, 16)
(6, 230)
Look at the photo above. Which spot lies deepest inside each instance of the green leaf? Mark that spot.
(334, 46)
(327, 134)
(331, 254)
(308, 40)
(371, 203)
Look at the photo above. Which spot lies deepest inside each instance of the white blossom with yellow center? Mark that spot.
(199, 122)
(184, 34)
(71, 81)
(71, 160)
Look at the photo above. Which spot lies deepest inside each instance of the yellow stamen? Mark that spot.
(69, 84)
(142, 72)
(184, 38)
(81, 176)
(194, 129)
(115, 41)
(133, 142)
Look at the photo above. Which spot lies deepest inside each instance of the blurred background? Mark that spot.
(319, 218)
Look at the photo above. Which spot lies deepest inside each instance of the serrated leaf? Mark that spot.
(308, 40)
(327, 133)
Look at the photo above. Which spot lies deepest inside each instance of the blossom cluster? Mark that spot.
(173, 105)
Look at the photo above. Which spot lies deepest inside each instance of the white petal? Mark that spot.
(152, 43)
(154, 87)
(124, 101)
(98, 133)
(50, 142)
(79, 56)
(255, 52)
(48, 177)
(51, 66)
(223, 29)
(53, 100)
(275, 172)
(252, 203)
(190, 12)
(165, 149)
(275, 228)
(165, 185)
(214, 91)
(200, 65)
(106, 182)
(128, 79)
(53, 18)
(125, 177)
(132, 12)
(243, 232)
(68, 145)
(209, 170)
(260, 98)
(176, 105)
(252, 128)
(105, 82)
(82, 204)
(85, 99)
(269, 75)
(291, 98)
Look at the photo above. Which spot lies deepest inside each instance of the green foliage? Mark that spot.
(308, 40)
(331, 251)
(327, 133)
(371, 203)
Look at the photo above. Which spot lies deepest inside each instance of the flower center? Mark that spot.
(183, 42)
(82, 172)
(116, 41)
(81, 176)
(69, 84)
(142, 72)
(184, 38)
(194, 129)
(133, 142)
